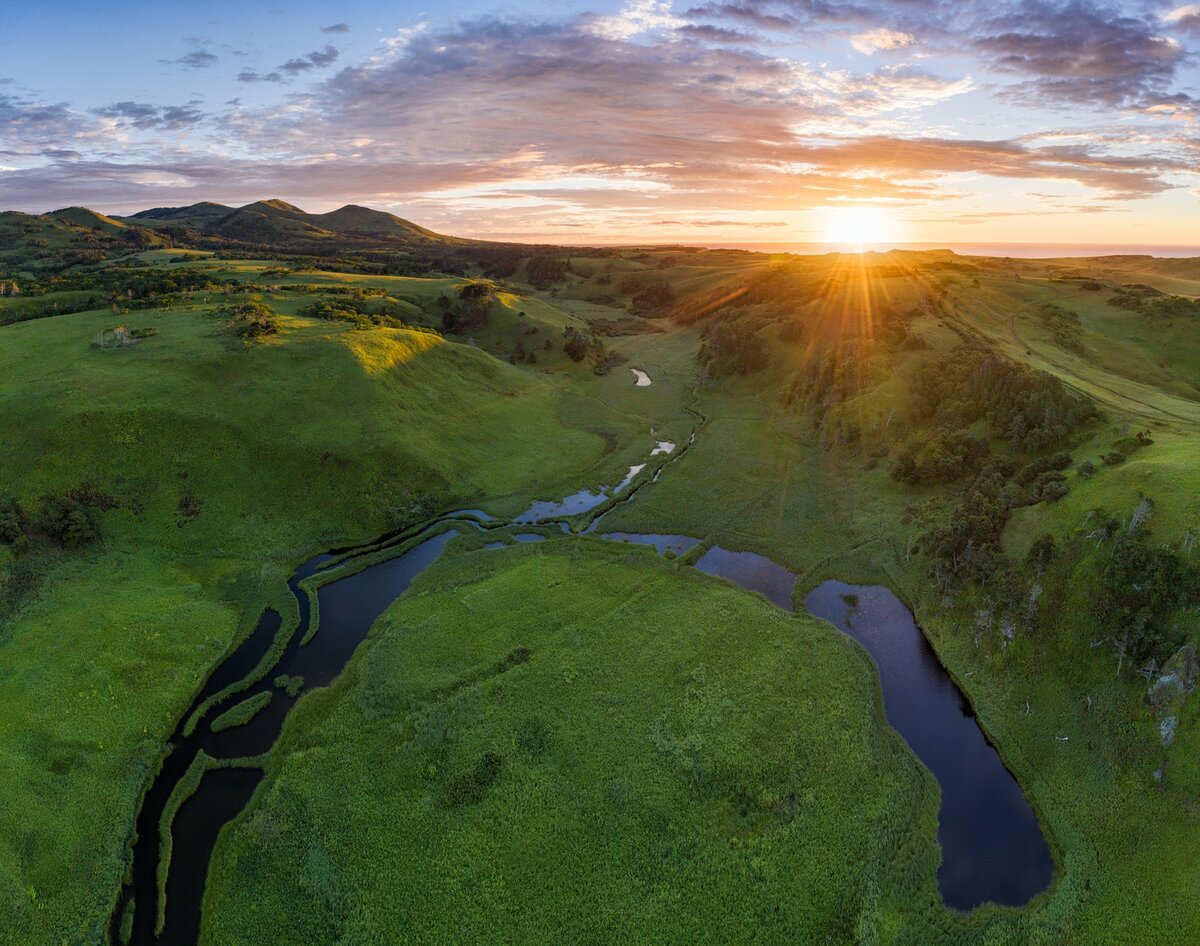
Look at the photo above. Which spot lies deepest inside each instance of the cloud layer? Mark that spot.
(719, 115)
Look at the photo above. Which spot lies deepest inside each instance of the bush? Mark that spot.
(1041, 553)
(13, 521)
(67, 521)
(1140, 587)
(577, 343)
(250, 320)
(733, 347)
(469, 788)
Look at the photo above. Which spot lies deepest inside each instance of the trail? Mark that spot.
(1120, 399)
(1087, 384)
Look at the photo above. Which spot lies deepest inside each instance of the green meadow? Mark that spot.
(574, 740)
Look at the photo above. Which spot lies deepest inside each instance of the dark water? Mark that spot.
(755, 572)
(992, 845)
(579, 502)
(348, 609)
(664, 543)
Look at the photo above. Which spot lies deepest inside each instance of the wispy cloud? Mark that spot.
(143, 115)
(317, 59)
(196, 59)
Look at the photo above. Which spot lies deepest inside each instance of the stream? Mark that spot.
(992, 845)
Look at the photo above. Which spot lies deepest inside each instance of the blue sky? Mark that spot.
(745, 120)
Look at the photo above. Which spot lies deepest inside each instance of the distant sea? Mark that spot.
(1014, 250)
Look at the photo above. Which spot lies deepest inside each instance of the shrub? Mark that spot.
(67, 521)
(577, 343)
(469, 788)
(1140, 587)
(13, 521)
(1041, 553)
(250, 320)
(733, 347)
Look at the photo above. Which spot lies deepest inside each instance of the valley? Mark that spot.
(528, 726)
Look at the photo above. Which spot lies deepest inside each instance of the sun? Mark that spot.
(860, 227)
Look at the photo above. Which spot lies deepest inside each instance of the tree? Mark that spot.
(1041, 553)
(13, 521)
(577, 343)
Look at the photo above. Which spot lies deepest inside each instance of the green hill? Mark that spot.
(194, 215)
(82, 217)
(277, 221)
(355, 219)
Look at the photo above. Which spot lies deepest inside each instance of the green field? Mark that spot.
(676, 760)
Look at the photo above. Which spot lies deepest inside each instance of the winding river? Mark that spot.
(992, 845)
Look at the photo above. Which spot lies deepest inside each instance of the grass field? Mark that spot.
(317, 436)
(713, 769)
(626, 782)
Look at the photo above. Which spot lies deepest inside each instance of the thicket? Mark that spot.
(733, 347)
(249, 320)
(1064, 326)
(544, 271)
(581, 343)
(1029, 409)
(69, 520)
(362, 311)
(471, 311)
(1140, 589)
(1150, 303)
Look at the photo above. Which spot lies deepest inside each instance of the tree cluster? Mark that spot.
(733, 347)
(68, 520)
(1031, 410)
(250, 320)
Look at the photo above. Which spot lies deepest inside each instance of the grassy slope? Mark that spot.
(652, 790)
(320, 435)
(1130, 847)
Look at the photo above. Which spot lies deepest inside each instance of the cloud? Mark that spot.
(636, 17)
(781, 15)
(38, 126)
(317, 59)
(196, 59)
(651, 117)
(1079, 54)
(881, 39)
(250, 76)
(336, 28)
(758, 224)
(144, 116)
(1185, 18)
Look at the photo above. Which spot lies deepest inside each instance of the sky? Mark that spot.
(744, 121)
